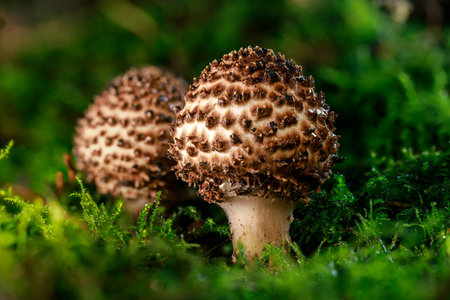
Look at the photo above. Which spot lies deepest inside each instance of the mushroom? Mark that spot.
(121, 143)
(255, 138)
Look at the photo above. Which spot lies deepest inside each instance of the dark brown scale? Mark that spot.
(323, 156)
(258, 79)
(331, 120)
(338, 160)
(305, 128)
(246, 96)
(272, 75)
(322, 132)
(217, 89)
(193, 138)
(201, 115)
(260, 93)
(300, 94)
(245, 123)
(283, 162)
(273, 128)
(162, 99)
(321, 100)
(309, 82)
(233, 77)
(203, 93)
(259, 137)
(138, 121)
(322, 119)
(312, 100)
(149, 113)
(204, 146)
(289, 99)
(211, 121)
(162, 134)
(108, 141)
(114, 88)
(311, 114)
(315, 142)
(148, 140)
(298, 105)
(228, 120)
(160, 118)
(292, 71)
(191, 150)
(253, 69)
(271, 147)
(137, 106)
(330, 145)
(262, 111)
(290, 143)
(180, 142)
(137, 153)
(111, 121)
(135, 169)
(277, 99)
(189, 97)
(175, 108)
(237, 91)
(237, 98)
(219, 145)
(286, 119)
(281, 89)
(223, 101)
(301, 80)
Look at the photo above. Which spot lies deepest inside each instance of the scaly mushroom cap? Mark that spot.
(122, 141)
(253, 122)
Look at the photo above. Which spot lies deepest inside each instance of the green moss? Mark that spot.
(364, 248)
(4, 152)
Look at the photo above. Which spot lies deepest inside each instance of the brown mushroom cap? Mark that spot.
(254, 121)
(122, 141)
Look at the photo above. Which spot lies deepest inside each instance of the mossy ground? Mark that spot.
(387, 242)
(378, 230)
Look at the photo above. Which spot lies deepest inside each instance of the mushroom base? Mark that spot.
(134, 207)
(256, 221)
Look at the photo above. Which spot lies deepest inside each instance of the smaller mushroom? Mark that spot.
(122, 140)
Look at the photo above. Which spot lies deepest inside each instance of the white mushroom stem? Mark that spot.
(134, 207)
(256, 221)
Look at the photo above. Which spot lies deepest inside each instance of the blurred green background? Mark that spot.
(383, 65)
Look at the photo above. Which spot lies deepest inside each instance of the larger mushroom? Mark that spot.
(255, 138)
(122, 141)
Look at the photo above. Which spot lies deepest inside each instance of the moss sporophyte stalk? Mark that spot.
(255, 138)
